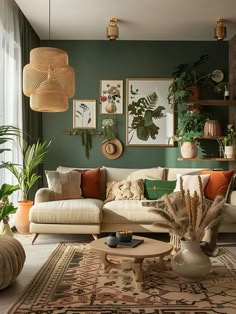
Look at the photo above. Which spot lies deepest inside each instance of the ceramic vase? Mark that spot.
(189, 150)
(112, 240)
(190, 262)
(229, 152)
(21, 218)
(212, 128)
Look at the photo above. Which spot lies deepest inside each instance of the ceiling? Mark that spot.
(138, 19)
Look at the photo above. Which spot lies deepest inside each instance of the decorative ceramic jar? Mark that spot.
(124, 236)
(12, 258)
(112, 240)
(190, 262)
(189, 150)
(212, 128)
(229, 151)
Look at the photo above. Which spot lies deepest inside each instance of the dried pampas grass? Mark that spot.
(189, 217)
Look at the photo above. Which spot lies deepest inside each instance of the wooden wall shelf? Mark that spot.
(78, 132)
(211, 102)
(211, 159)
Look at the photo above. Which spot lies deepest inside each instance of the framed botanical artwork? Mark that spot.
(150, 118)
(84, 114)
(111, 97)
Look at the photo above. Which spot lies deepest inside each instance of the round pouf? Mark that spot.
(12, 258)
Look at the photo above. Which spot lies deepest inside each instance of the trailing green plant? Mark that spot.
(86, 138)
(25, 174)
(185, 76)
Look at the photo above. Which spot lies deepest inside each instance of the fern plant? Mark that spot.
(144, 111)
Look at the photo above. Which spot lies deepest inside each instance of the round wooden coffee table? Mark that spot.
(149, 248)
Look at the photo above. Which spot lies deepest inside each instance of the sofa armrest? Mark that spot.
(232, 197)
(44, 195)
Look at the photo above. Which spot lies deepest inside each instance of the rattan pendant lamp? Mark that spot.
(48, 79)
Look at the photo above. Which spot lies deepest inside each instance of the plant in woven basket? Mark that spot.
(189, 217)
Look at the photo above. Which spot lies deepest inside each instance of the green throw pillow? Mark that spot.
(154, 189)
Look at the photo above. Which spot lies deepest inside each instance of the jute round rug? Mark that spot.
(73, 281)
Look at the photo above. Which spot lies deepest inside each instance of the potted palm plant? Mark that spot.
(25, 174)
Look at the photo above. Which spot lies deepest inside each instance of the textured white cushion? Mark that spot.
(151, 174)
(64, 185)
(172, 172)
(191, 183)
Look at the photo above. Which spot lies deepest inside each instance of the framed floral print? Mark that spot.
(150, 118)
(111, 97)
(84, 114)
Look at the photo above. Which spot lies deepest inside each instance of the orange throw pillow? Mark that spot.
(90, 183)
(218, 183)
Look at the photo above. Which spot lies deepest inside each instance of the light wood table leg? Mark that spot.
(138, 271)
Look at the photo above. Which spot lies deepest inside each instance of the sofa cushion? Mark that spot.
(90, 183)
(127, 211)
(117, 174)
(82, 211)
(125, 190)
(103, 177)
(64, 185)
(172, 172)
(151, 173)
(218, 183)
(191, 183)
(154, 189)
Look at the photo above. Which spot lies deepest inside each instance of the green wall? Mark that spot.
(97, 60)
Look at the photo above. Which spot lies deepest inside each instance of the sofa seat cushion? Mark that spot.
(127, 211)
(76, 211)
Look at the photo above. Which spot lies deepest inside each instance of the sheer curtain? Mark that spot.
(10, 81)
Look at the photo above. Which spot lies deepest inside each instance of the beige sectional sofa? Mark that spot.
(94, 216)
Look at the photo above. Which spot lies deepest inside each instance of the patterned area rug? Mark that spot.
(73, 281)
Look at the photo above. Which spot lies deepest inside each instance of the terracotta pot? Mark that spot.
(21, 218)
(195, 93)
(190, 262)
(189, 150)
(212, 128)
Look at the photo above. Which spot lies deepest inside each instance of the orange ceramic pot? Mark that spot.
(21, 218)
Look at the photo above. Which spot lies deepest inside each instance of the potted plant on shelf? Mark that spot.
(190, 126)
(186, 83)
(229, 142)
(25, 174)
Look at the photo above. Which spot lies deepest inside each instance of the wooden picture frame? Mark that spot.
(84, 114)
(150, 118)
(111, 97)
